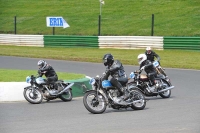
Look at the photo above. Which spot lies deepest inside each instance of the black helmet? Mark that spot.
(108, 59)
(42, 64)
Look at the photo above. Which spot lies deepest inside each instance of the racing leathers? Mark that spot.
(150, 70)
(49, 72)
(152, 55)
(118, 76)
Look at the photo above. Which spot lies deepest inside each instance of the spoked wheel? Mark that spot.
(138, 98)
(93, 103)
(66, 96)
(33, 97)
(165, 94)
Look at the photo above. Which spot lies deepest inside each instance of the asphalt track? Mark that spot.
(178, 114)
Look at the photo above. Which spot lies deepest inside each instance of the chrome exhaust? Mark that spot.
(66, 88)
(169, 88)
(137, 101)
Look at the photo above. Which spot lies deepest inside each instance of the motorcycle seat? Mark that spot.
(123, 81)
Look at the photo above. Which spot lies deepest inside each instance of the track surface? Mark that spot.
(178, 114)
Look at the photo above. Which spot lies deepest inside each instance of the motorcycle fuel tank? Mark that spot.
(40, 80)
(106, 84)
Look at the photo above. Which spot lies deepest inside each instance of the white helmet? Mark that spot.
(148, 50)
(141, 58)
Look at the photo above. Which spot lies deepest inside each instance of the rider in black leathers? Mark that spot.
(151, 55)
(148, 67)
(115, 69)
(48, 71)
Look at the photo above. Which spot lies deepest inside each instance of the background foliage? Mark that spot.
(119, 17)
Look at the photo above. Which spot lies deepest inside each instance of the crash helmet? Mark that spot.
(141, 58)
(108, 59)
(42, 64)
(148, 50)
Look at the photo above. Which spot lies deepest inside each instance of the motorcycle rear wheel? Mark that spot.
(137, 95)
(33, 98)
(93, 103)
(66, 96)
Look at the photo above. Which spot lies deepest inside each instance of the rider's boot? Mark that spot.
(126, 95)
(152, 86)
(119, 96)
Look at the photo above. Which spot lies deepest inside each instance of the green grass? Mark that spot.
(169, 58)
(9, 75)
(119, 17)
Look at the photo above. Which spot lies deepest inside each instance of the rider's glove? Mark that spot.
(107, 71)
(142, 68)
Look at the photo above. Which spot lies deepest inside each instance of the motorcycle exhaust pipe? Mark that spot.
(66, 88)
(169, 88)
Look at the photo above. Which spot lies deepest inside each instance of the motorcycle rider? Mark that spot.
(48, 71)
(115, 69)
(149, 68)
(151, 55)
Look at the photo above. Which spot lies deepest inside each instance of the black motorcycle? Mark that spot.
(163, 85)
(40, 89)
(103, 94)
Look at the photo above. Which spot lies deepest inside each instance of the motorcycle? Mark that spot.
(103, 94)
(163, 85)
(159, 69)
(40, 90)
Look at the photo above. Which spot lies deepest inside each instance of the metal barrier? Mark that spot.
(182, 43)
(21, 40)
(130, 42)
(70, 41)
(118, 42)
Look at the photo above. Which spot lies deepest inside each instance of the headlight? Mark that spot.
(132, 75)
(28, 79)
(155, 63)
(92, 81)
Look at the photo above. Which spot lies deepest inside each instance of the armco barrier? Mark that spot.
(131, 42)
(13, 91)
(70, 41)
(80, 86)
(21, 40)
(182, 43)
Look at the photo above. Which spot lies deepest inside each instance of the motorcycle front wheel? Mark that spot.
(93, 103)
(66, 96)
(139, 101)
(35, 97)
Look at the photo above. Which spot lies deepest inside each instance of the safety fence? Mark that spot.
(22, 40)
(183, 43)
(130, 42)
(70, 41)
(80, 86)
(118, 42)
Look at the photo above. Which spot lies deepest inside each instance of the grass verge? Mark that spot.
(119, 17)
(9, 75)
(169, 58)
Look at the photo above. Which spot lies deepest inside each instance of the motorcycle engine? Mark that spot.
(114, 93)
(46, 94)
